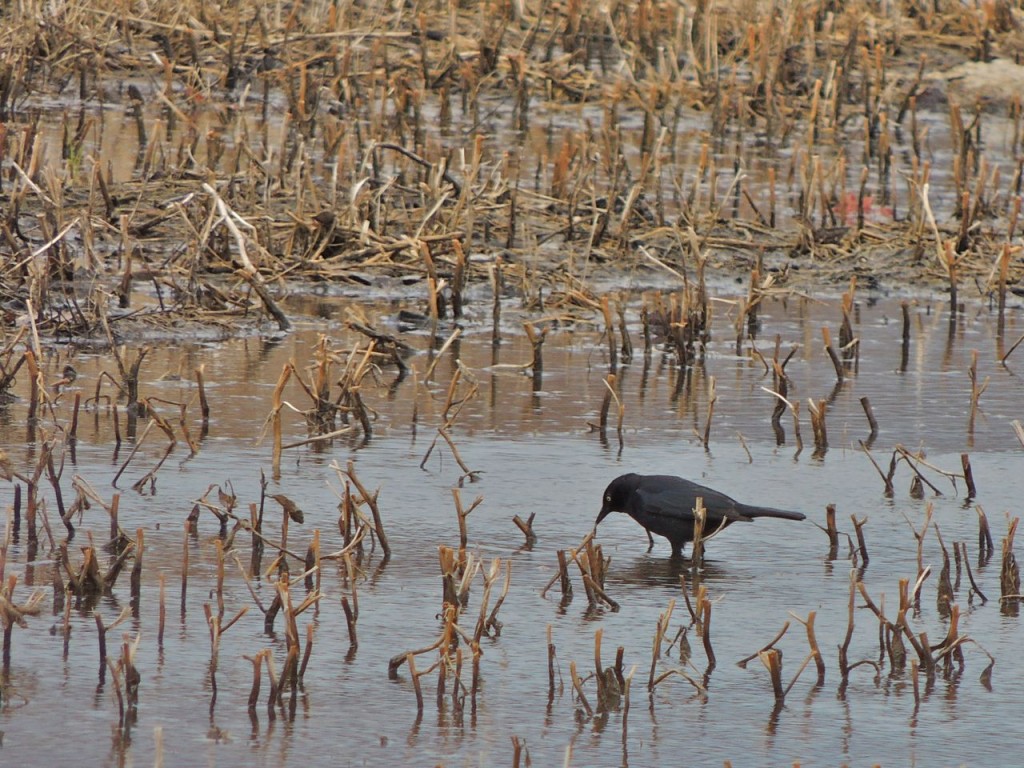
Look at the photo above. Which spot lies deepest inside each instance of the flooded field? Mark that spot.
(532, 448)
(324, 326)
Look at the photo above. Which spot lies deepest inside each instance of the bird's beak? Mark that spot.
(605, 511)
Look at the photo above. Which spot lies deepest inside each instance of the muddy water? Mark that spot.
(535, 453)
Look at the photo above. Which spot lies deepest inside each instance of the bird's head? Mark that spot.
(616, 495)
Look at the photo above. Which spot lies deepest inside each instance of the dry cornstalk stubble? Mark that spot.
(351, 183)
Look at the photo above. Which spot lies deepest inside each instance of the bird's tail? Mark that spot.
(784, 514)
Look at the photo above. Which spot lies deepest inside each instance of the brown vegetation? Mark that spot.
(345, 143)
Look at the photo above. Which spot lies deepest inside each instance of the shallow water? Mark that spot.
(535, 453)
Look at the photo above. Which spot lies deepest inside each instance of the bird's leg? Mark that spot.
(650, 540)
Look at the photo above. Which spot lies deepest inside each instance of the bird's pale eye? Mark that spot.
(608, 499)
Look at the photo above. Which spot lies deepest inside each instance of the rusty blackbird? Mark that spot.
(664, 505)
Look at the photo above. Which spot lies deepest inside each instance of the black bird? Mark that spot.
(664, 504)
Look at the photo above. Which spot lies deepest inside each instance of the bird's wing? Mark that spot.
(661, 504)
(673, 501)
